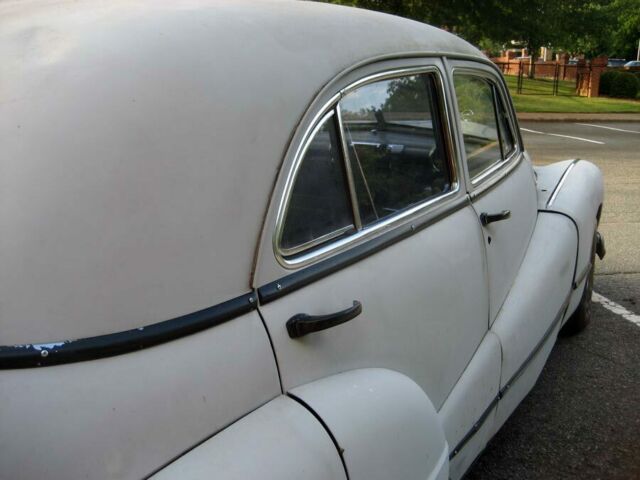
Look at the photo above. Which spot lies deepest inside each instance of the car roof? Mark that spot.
(140, 144)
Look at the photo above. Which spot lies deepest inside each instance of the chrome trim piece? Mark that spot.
(365, 233)
(347, 167)
(316, 241)
(560, 183)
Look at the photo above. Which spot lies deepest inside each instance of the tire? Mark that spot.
(582, 316)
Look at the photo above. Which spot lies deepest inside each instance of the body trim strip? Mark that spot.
(503, 391)
(91, 348)
(294, 281)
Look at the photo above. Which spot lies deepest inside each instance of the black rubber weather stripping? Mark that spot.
(274, 290)
(503, 391)
(91, 348)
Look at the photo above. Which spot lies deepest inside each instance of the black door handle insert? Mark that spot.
(487, 218)
(301, 324)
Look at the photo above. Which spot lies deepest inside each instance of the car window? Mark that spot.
(319, 208)
(488, 138)
(395, 145)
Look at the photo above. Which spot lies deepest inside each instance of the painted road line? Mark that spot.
(563, 136)
(615, 308)
(607, 128)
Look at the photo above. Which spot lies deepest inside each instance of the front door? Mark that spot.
(500, 179)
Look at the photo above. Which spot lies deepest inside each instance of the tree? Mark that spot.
(624, 38)
(593, 27)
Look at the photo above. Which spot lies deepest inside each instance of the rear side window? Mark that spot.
(377, 152)
(395, 145)
(319, 208)
(488, 138)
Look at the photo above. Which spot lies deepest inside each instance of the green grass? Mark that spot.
(537, 97)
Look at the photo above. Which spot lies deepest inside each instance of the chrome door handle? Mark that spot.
(302, 324)
(487, 218)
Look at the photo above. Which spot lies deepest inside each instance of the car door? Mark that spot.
(500, 180)
(371, 233)
(530, 255)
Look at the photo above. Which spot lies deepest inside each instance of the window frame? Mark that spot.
(340, 242)
(501, 167)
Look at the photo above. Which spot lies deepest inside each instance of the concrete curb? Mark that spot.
(579, 117)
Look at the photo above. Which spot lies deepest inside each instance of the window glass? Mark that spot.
(319, 208)
(477, 111)
(395, 144)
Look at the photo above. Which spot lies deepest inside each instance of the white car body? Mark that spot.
(149, 155)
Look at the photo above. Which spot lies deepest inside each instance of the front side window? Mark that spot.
(395, 145)
(488, 138)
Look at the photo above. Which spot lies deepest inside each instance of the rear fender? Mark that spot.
(383, 422)
(279, 441)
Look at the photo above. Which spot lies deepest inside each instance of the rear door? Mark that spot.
(371, 228)
(500, 179)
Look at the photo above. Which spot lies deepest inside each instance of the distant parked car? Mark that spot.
(242, 240)
(632, 64)
(616, 62)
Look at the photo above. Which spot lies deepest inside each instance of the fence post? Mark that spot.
(597, 67)
(519, 89)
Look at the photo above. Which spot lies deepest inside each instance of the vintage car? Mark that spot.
(274, 240)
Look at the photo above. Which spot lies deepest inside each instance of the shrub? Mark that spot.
(605, 81)
(626, 85)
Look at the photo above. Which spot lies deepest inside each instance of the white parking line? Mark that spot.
(617, 309)
(563, 136)
(607, 128)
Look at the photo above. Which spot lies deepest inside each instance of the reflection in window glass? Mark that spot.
(319, 208)
(395, 145)
(478, 115)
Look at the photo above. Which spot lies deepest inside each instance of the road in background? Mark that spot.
(617, 153)
(582, 418)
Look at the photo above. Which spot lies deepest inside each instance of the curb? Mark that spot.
(579, 117)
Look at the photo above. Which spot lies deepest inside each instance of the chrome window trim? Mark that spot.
(363, 234)
(477, 182)
(317, 241)
(353, 198)
(367, 232)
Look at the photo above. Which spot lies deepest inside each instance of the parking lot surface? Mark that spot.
(582, 419)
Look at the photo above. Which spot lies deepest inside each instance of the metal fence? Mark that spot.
(545, 78)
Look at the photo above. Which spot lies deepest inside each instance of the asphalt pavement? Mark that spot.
(582, 418)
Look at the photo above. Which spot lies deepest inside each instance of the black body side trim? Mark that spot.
(274, 290)
(503, 391)
(91, 348)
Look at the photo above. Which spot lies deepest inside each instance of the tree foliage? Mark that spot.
(593, 27)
